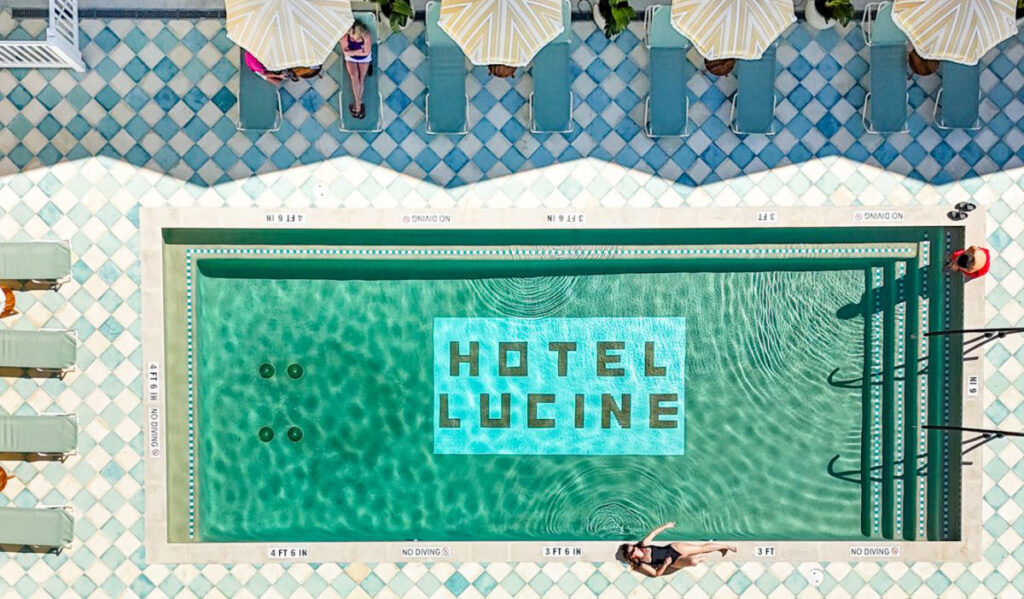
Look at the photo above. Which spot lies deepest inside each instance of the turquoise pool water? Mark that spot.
(760, 419)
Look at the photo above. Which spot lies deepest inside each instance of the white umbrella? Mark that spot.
(508, 32)
(288, 33)
(732, 28)
(955, 30)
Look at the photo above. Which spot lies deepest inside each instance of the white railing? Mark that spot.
(58, 51)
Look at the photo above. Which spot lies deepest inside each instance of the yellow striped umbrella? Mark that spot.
(288, 33)
(732, 28)
(501, 31)
(955, 30)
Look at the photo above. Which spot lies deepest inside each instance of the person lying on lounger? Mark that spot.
(656, 560)
(357, 45)
(501, 70)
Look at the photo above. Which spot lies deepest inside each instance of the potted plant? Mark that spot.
(822, 14)
(398, 13)
(613, 16)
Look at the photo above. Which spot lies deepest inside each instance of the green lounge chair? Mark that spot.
(259, 103)
(45, 350)
(51, 527)
(36, 261)
(956, 106)
(666, 111)
(753, 104)
(45, 434)
(447, 103)
(374, 119)
(552, 110)
(885, 105)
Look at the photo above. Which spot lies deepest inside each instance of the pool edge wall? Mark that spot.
(159, 550)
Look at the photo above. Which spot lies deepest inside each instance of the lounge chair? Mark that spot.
(45, 434)
(36, 262)
(46, 350)
(259, 102)
(372, 100)
(666, 111)
(551, 100)
(885, 105)
(447, 103)
(51, 527)
(956, 106)
(753, 104)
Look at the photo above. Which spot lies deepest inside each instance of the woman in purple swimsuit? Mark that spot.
(355, 45)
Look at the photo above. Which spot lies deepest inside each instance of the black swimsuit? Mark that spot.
(660, 553)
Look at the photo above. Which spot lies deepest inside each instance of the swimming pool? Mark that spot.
(566, 385)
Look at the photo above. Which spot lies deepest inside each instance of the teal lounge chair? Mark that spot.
(885, 105)
(956, 106)
(666, 111)
(51, 527)
(36, 261)
(372, 100)
(753, 104)
(259, 103)
(551, 100)
(447, 103)
(46, 350)
(45, 434)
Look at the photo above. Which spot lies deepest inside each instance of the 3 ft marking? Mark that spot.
(770, 217)
(765, 551)
(973, 385)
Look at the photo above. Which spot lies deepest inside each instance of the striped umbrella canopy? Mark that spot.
(507, 32)
(732, 28)
(288, 33)
(955, 30)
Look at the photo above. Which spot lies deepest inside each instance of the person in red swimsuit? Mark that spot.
(973, 262)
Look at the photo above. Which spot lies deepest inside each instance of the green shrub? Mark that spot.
(398, 12)
(841, 10)
(617, 14)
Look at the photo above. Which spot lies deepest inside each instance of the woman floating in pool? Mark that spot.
(655, 560)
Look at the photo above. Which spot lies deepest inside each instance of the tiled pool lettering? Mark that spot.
(565, 386)
(878, 216)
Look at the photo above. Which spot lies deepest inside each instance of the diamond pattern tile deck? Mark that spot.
(163, 95)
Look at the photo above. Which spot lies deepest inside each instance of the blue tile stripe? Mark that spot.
(876, 380)
(924, 259)
(900, 375)
(191, 396)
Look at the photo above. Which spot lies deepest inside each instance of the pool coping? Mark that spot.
(154, 220)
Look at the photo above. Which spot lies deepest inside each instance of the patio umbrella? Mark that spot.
(955, 30)
(732, 28)
(288, 33)
(509, 32)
